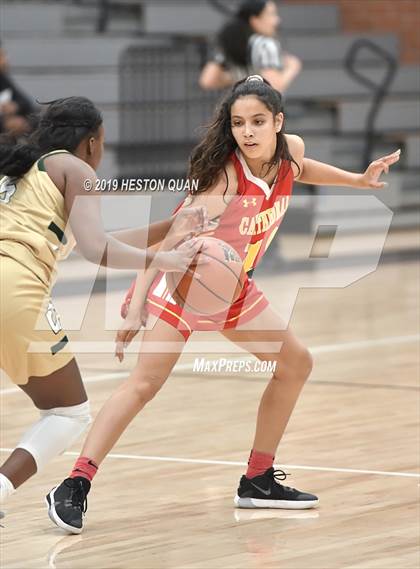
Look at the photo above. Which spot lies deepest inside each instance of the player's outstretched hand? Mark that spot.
(370, 179)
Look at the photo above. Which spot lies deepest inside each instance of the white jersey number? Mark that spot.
(7, 189)
(53, 318)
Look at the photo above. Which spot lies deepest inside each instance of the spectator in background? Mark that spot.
(248, 45)
(15, 106)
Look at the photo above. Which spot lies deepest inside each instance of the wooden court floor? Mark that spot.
(164, 498)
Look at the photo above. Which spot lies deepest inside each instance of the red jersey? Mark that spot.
(252, 218)
(248, 224)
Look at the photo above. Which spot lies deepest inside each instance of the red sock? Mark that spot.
(84, 467)
(258, 463)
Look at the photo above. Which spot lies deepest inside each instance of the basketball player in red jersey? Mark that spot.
(245, 165)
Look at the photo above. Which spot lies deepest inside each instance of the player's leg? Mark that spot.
(268, 339)
(293, 366)
(64, 415)
(66, 502)
(49, 377)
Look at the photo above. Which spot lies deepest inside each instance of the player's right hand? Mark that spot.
(128, 330)
(182, 258)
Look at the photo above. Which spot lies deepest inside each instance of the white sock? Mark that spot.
(6, 488)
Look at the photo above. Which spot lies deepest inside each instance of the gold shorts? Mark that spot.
(32, 341)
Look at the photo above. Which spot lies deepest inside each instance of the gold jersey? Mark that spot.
(33, 220)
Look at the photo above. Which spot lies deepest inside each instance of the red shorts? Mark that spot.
(250, 303)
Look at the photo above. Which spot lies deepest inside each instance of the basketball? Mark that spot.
(222, 280)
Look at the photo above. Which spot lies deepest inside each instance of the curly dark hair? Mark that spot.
(210, 156)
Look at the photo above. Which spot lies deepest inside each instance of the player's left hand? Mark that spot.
(370, 179)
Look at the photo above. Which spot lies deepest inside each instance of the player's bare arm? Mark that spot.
(319, 173)
(70, 173)
(187, 222)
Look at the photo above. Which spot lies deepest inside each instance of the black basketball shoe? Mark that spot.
(67, 503)
(265, 492)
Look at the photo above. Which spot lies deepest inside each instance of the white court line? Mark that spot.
(327, 348)
(233, 463)
(365, 344)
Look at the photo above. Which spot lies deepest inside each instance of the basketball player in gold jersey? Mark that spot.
(39, 183)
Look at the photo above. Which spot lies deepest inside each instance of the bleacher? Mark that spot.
(142, 72)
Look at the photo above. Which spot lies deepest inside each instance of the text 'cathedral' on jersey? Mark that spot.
(252, 218)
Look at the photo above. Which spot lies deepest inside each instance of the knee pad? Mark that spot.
(56, 431)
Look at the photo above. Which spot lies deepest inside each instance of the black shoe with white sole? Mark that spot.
(265, 492)
(67, 503)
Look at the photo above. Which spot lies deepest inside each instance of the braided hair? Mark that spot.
(63, 126)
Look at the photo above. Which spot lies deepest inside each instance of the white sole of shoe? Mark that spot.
(277, 504)
(49, 500)
(248, 514)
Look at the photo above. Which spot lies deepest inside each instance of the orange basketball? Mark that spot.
(222, 279)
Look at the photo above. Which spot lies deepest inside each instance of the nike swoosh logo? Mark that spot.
(265, 492)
